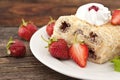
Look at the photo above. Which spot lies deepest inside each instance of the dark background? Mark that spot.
(38, 11)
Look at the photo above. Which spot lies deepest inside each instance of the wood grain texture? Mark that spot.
(27, 68)
(38, 11)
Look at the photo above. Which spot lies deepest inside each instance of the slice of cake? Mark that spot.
(103, 41)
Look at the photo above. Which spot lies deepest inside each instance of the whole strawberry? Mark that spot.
(16, 48)
(26, 30)
(50, 26)
(58, 48)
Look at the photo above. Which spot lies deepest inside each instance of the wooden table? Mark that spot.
(38, 11)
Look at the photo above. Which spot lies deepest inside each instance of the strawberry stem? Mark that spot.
(82, 42)
(51, 20)
(23, 22)
(8, 44)
(49, 41)
(44, 39)
(75, 38)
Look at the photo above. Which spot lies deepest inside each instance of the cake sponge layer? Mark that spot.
(103, 41)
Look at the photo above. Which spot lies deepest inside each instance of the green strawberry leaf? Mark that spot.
(8, 44)
(116, 62)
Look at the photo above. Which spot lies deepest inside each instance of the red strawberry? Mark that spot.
(50, 26)
(79, 53)
(58, 48)
(116, 17)
(16, 48)
(26, 30)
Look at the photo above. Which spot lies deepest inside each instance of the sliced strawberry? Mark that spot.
(116, 17)
(79, 53)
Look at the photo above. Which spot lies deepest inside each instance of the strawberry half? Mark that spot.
(26, 30)
(16, 48)
(79, 53)
(116, 17)
(50, 26)
(58, 48)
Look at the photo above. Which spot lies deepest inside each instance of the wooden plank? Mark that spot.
(38, 11)
(27, 68)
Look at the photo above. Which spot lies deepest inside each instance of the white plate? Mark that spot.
(68, 67)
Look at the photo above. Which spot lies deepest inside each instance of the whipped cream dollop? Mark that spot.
(94, 13)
